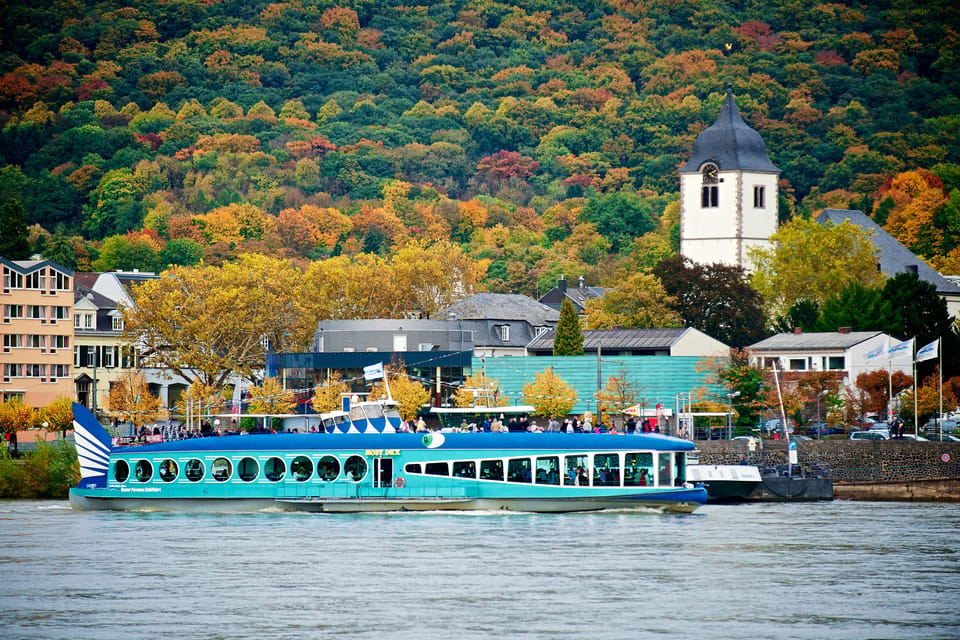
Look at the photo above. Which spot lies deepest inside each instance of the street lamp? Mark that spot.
(819, 421)
(730, 397)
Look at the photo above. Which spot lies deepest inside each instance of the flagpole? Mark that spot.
(940, 371)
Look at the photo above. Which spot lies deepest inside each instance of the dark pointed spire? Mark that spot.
(730, 143)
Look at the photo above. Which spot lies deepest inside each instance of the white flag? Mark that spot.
(373, 371)
(929, 352)
(876, 353)
(900, 348)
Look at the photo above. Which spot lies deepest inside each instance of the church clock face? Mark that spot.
(710, 174)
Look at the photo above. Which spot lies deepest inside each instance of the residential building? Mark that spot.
(577, 295)
(728, 192)
(639, 342)
(845, 353)
(100, 354)
(895, 258)
(502, 324)
(36, 359)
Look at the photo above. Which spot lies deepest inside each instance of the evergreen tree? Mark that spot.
(568, 340)
(14, 242)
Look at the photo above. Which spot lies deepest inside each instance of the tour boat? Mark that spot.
(364, 463)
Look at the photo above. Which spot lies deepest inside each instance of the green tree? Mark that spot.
(918, 311)
(568, 339)
(810, 261)
(14, 242)
(802, 314)
(549, 394)
(180, 252)
(620, 217)
(855, 306)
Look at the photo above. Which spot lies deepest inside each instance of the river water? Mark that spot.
(816, 570)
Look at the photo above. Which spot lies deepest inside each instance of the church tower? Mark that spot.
(728, 192)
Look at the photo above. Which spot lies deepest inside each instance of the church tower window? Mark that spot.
(709, 195)
(759, 198)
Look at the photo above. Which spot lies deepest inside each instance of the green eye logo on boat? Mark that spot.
(433, 440)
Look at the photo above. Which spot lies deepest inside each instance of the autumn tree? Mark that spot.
(199, 401)
(568, 338)
(207, 322)
(15, 416)
(328, 396)
(746, 385)
(876, 385)
(57, 417)
(618, 393)
(131, 401)
(638, 302)
(271, 397)
(410, 394)
(549, 394)
(716, 299)
(478, 390)
(810, 261)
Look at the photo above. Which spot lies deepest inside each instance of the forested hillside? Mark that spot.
(543, 137)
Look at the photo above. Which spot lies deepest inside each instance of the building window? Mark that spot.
(759, 198)
(710, 191)
(503, 331)
(108, 358)
(541, 331)
(62, 281)
(117, 323)
(59, 371)
(12, 311)
(36, 342)
(12, 371)
(12, 341)
(59, 342)
(36, 312)
(835, 363)
(34, 281)
(798, 364)
(60, 313)
(34, 370)
(12, 280)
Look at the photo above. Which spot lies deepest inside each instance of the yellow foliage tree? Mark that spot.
(57, 417)
(480, 391)
(271, 397)
(131, 401)
(199, 401)
(327, 397)
(637, 302)
(618, 393)
(15, 415)
(409, 394)
(549, 394)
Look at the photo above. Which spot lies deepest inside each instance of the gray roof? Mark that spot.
(620, 339)
(834, 340)
(894, 257)
(730, 143)
(501, 306)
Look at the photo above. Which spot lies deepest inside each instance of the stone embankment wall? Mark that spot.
(849, 461)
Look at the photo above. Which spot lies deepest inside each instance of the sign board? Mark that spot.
(793, 452)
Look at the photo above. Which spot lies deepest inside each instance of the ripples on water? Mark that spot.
(825, 570)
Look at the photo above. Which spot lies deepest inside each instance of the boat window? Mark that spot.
(194, 470)
(519, 470)
(577, 471)
(221, 469)
(356, 413)
(638, 469)
(143, 471)
(437, 469)
(354, 469)
(465, 469)
(491, 469)
(413, 467)
(391, 411)
(328, 468)
(341, 420)
(373, 411)
(248, 469)
(274, 469)
(606, 470)
(548, 470)
(665, 477)
(121, 471)
(168, 470)
(301, 468)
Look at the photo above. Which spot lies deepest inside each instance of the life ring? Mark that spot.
(399, 482)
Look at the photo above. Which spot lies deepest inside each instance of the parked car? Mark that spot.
(868, 435)
(946, 437)
(910, 436)
(947, 425)
(776, 425)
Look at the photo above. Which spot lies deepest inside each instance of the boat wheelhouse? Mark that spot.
(375, 471)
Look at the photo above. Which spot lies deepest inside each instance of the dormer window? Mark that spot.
(710, 191)
(503, 331)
